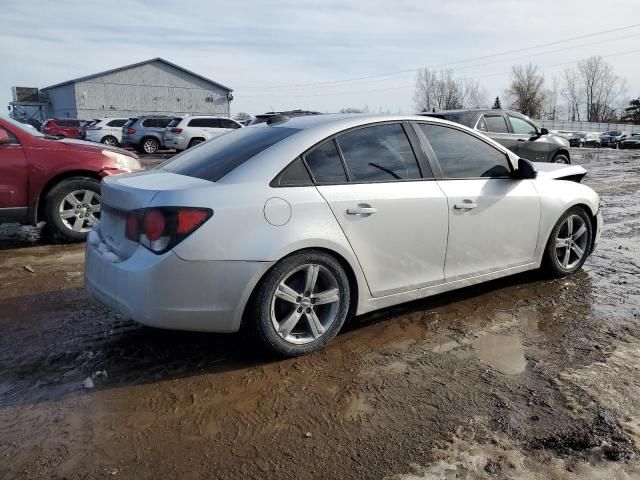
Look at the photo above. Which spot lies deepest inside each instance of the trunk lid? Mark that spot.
(122, 194)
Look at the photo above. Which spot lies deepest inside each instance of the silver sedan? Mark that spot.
(293, 226)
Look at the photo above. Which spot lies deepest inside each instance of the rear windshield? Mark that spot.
(174, 122)
(461, 118)
(130, 122)
(212, 160)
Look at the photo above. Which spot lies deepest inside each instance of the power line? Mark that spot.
(356, 92)
(485, 63)
(517, 50)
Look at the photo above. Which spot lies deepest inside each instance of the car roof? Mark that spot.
(343, 120)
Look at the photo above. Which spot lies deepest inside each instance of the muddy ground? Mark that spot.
(525, 377)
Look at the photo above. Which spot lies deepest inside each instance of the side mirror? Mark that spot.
(544, 131)
(4, 136)
(526, 170)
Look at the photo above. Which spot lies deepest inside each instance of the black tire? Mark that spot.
(149, 145)
(110, 140)
(551, 262)
(561, 158)
(54, 200)
(194, 142)
(261, 322)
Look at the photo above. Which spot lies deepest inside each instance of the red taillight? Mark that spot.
(130, 131)
(153, 224)
(160, 229)
(176, 130)
(190, 219)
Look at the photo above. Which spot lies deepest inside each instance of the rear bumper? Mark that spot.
(177, 142)
(165, 291)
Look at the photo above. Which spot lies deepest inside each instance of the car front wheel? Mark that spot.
(110, 141)
(301, 303)
(72, 208)
(569, 244)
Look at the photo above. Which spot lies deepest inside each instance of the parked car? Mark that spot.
(146, 133)
(183, 133)
(632, 142)
(575, 137)
(56, 180)
(289, 113)
(590, 140)
(612, 138)
(84, 125)
(293, 226)
(62, 127)
(513, 130)
(107, 131)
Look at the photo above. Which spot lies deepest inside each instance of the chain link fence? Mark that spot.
(587, 126)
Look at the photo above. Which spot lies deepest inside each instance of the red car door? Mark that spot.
(14, 178)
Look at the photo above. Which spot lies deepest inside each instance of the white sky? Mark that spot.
(265, 50)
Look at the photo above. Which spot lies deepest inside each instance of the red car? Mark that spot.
(63, 127)
(56, 180)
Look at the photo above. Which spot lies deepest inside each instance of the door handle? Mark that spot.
(522, 140)
(465, 206)
(362, 209)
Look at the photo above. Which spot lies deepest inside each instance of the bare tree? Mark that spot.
(601, 87)
(242, 116)
(526, 91)
(572, 93)
(441, 91)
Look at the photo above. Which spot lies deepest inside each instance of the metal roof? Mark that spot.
(126, 67)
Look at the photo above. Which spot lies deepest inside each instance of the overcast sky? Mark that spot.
(270, 52)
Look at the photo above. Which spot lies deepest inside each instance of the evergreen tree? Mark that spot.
(497, 105)
(632, 112)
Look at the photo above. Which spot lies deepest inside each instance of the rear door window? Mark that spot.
(380, 153)
(205, 123)
(214, 159)
(496, 124)
(325, 164)
(462, 155)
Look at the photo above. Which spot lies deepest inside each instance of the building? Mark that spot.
(154, 86)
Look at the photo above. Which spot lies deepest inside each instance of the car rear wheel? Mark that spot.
(109, 140)
(195, 142)
(301, 304)
(569, 243)
(72, 208)
(150, 145)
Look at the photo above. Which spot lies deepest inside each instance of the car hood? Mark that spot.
(559, 171)
(72, 144)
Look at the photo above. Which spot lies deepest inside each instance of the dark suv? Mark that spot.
(289, 113)
(146, 133)
(515, 131)
(612, 138)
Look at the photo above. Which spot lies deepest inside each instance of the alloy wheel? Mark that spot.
(150, 146)
(571, 242)
(110, 141)
(305, 304)
(80, 210)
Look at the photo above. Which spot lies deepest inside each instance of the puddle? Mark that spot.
(504, 353)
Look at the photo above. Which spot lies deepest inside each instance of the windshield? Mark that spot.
(25, 128)
(212, 160)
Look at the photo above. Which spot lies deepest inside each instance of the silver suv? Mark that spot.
(146, 133)
(183, 133)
